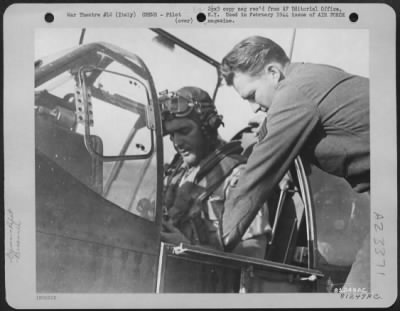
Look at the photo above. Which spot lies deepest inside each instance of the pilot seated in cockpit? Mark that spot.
(201, 175)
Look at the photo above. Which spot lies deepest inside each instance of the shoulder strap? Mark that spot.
(232, 149)
(227, 157)
(218, 166)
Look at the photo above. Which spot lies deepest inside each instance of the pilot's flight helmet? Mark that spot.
(190, 102)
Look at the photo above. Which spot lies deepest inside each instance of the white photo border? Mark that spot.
(20, 22)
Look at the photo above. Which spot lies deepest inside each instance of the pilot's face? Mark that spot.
(188, 139)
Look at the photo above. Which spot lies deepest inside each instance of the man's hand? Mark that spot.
(171, 234)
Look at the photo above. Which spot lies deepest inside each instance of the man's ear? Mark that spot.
(275, 70)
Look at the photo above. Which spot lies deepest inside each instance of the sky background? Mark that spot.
(344, 48)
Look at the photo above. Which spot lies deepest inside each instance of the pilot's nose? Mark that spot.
(178, 140)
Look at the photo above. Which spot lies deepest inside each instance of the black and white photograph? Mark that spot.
(205, 160)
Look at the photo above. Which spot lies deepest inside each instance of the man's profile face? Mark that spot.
(256, 89)
(188, 139)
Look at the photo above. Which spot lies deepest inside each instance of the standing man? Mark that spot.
(201, 175)
(318, 111)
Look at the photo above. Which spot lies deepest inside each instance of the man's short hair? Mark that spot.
(250, 56)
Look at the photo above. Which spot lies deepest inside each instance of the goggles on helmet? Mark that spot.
(174, 105)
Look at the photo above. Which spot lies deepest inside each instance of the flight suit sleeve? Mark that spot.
(291, 120)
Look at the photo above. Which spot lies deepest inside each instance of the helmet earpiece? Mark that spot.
(214, 120)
